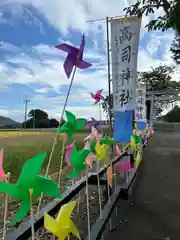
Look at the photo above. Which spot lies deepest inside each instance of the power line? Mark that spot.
(26, 101)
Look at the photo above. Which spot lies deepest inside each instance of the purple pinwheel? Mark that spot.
(74, 57)
(94, 123)
(98, 96)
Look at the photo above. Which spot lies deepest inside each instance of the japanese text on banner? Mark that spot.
(140, 111)
(124, 49)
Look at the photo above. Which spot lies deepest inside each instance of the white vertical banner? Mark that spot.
(124, 51)
(140, 110)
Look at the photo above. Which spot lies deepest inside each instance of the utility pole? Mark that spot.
(26, 101)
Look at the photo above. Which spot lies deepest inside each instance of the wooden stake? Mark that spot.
(5, 211)
(87, 203)
(61, 163)
(32, 214)
(55, 139)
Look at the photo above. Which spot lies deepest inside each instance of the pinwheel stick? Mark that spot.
(61, 162)
(109, 199)
(5, 210)
(55, 138)
(99, 188)
(100, 115)
(87, 203)
(32, 214)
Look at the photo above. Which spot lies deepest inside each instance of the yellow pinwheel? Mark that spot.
(62, 226)
(138, 158)
(133, 143)
(101, 150)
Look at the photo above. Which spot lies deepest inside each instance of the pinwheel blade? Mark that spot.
(22, 212)
(80, 123)
(10, 189)
(51, 225)
(47, 186)
(31, 168)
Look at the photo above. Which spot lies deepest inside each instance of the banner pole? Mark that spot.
(109, 76)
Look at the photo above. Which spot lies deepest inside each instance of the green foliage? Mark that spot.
(170, 19)
(159, 79)
(156, 79)
(39, 119)
(173, 115)
(37, 114)
(175, 48)
(105, 105)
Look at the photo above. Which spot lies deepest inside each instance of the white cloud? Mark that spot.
(75, 13)
(49, 70)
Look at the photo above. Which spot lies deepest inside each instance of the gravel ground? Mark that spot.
(154, 213)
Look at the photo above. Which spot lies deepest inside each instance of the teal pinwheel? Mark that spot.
(29, 179)
(77, 159)
(72, 125)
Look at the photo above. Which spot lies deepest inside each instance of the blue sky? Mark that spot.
(31, 68)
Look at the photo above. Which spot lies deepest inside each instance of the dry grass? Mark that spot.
(19, 147)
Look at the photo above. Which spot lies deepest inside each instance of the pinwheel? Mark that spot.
(77, 160)
(98, 96)
(118, 150)
(93, 146)
(93, 135)
(107, 140)
(72, 125)
(68, 153)
(138, 158)
(94, 123)
(90, 159)
(3, 176)
(74, 57)
(126, 167)
(29, 180)
(62, 226)
(101, 150)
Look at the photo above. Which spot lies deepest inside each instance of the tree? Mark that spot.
(173, 115)
(38, 114)
(156, 79)
(170, 19)
(54, 123)
(175, 48)
(39, 119)
(159, 78)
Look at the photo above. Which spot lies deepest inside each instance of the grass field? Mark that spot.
(19, 147)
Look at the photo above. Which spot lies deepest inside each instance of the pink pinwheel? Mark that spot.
(93, 135)
(118, 150)
(125, 167)
(3, 176)
(90, 159)
(68, 153)
(98, 97)
(74, 57)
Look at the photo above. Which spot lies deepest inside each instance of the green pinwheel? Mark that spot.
(107, 141)
(30, 180)
(137, 138)
(93, 146)
(72, 125)
(77, 160)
